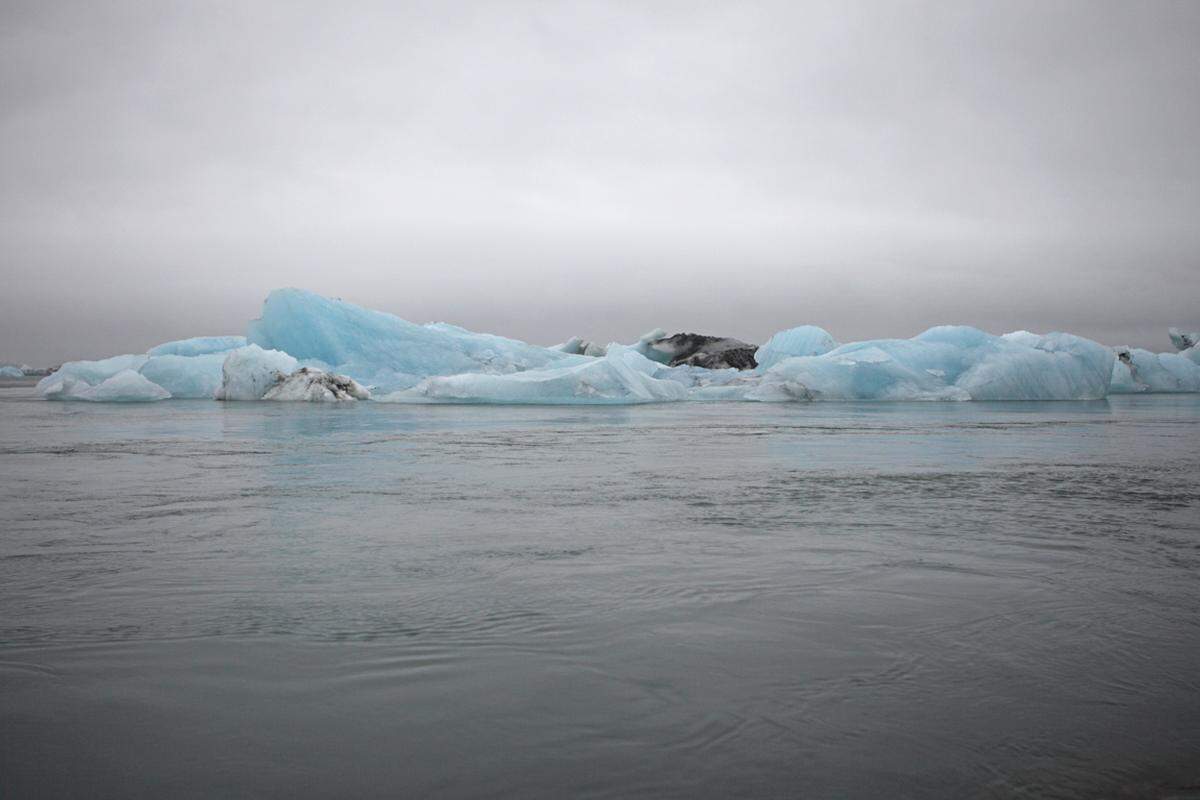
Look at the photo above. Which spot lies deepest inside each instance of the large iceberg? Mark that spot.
(380, 349)
(946, 363)
(312, 348)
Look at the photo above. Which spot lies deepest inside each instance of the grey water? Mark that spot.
(203, 599)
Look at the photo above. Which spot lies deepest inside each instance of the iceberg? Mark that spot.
(11, 372)
(310, 348)
(946, 363)
(622, 375)
(249, 372)
(1137, 370)
(382, 349)
(125, 386)
(806, 340)
(1183, 340)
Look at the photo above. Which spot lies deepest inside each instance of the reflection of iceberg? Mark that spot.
(308, 347)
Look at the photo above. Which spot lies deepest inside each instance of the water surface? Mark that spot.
(817, 600)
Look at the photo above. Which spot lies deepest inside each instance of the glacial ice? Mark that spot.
(946, 363)
(248, 372)
(622, 375)
(125, 386)
(186, 376)
(198, 346)
(1184, 340)
(383, 350)
(806, 340)
(310, 348)
(311, 385)
(578, 346)
(11, 372)
(1137, 370)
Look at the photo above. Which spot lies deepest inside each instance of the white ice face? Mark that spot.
(248, 372)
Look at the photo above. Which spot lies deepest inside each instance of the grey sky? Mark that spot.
(546, 169)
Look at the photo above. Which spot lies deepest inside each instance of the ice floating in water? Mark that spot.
(622, 376)
(1138, 370)
(383, 350)
(248, 372)
(316, 386)
(806, 340)
(126, 386)
(311, 348)
(1183, 340)
(946, 363)
(11, 372)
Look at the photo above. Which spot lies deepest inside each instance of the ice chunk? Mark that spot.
(91, 372)
(126, 386)
(622, 376)
(11, 372)
(186, 376)
(577, 345)
(645, 346)
(316, 386)
(1138, 370)
(381, 349)
(249, 372)
(699, 350)
(198, 346)
(806, 340)
(947, 363)
(1183, 340)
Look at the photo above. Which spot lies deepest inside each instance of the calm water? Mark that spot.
(850, 600)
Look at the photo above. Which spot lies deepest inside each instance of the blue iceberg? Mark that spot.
(946, 363)
(306, 347)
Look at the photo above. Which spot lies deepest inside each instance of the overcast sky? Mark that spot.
(548, 169)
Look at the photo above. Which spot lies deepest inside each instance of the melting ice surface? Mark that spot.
(313, 348)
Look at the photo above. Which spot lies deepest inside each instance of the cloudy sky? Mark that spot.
(547, 169)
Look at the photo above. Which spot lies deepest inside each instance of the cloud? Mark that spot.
(547, 169)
